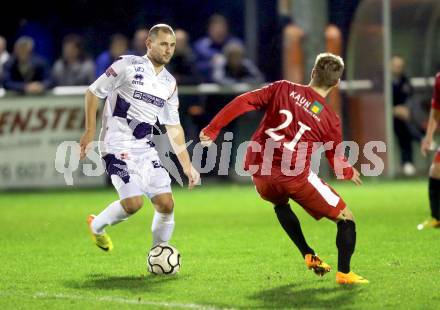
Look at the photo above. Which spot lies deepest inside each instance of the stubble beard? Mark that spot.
(160, 60)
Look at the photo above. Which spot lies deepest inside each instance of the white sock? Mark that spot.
(162, 227)
(111, 215)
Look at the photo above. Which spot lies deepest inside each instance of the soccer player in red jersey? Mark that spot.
(434, 171)
(297, 118)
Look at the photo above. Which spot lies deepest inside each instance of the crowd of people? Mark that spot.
(218, 57)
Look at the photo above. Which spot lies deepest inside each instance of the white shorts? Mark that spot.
(137, 174)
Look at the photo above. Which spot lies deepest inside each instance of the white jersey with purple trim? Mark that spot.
(136, 99)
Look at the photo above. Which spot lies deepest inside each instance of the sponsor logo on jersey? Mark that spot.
(110, 72)
(316, 107)
(139, 69)
(158, 102)
(138, 79)
(312, 109)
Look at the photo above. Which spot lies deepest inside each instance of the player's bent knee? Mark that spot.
(132, 204)
(166, 206)
(434, 171)
(163, 203)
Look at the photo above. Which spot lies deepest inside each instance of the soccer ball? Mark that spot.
(163, 259)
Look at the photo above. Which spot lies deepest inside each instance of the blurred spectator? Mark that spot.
(404, 130)
(4, 55)
(183, 64)
(183, 68)
(118, 47)
(139, 42)
(41, 33)
(211, 45)
(74, 67)
(233, 67)
(25, 72)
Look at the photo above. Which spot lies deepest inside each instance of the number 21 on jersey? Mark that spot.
(289, 118)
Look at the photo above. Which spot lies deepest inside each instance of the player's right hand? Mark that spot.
(204, 139)
(193, 177)
(356, 178)
(84, 142)
(425, 146)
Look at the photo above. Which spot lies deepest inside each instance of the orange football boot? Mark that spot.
(350, 278)
(316, 264)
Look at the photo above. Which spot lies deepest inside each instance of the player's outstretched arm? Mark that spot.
(177, 138)
(235, 108)
(246, 102)
(91, 106)
(434, 120)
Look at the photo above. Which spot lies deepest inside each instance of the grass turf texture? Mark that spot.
(234, 253)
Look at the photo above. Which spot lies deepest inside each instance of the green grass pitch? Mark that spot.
(234, 253)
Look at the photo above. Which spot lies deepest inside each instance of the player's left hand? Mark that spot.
(356, 178)
(193, 177)
(425, 146)
(204, 139)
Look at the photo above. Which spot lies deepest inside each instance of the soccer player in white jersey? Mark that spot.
(139, 91)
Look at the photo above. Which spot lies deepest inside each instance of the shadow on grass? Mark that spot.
(135, 284)
(296, 296)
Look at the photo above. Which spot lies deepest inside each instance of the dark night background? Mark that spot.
(50, 21)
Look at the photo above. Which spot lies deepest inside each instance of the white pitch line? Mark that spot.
(112, 299)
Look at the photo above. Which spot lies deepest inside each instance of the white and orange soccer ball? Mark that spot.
(163, 259)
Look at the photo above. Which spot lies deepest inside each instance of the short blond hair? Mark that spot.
(327, 70)
(160, 27)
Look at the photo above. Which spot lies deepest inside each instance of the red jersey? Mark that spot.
(435, 102)
(295, 118)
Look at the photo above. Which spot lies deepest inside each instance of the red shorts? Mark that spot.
(313, 194)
